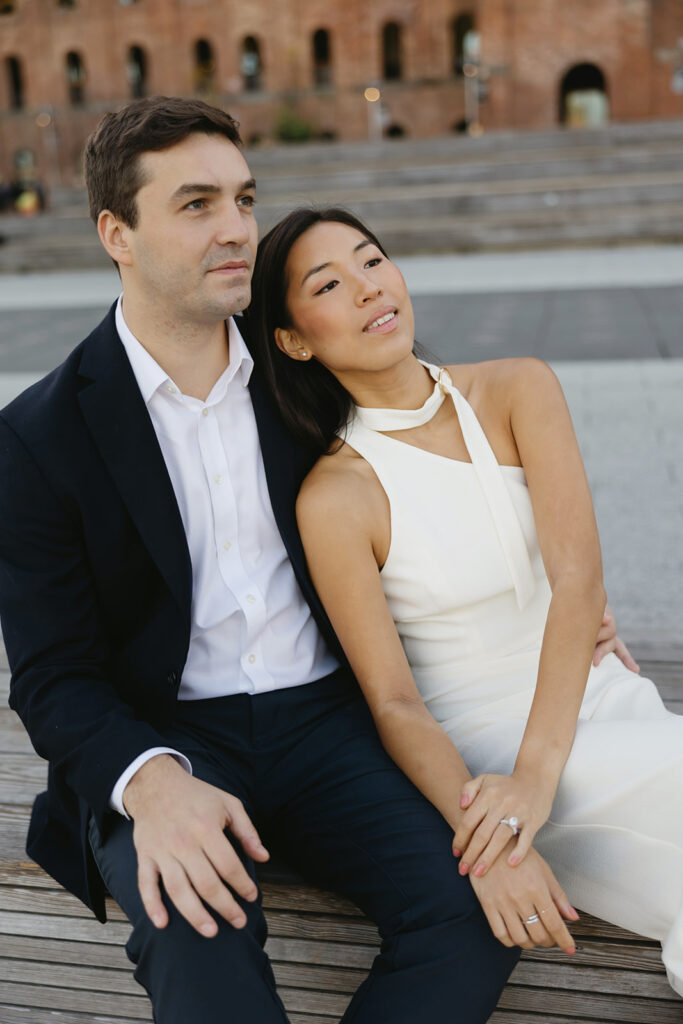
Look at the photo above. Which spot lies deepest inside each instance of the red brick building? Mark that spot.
(300, 67)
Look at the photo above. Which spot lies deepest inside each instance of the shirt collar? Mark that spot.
(150, 376)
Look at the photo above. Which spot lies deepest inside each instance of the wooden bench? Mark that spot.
(58, 965)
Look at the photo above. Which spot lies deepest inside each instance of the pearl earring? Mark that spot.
(304, 354)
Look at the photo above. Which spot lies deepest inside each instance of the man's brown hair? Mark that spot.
(113, 173)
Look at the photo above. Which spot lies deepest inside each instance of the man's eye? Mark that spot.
(326, 288)
(196, 204)
(247, 201)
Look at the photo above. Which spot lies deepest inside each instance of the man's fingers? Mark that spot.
(186, 884)
(241, 826)
(148, 884)
(622, 651)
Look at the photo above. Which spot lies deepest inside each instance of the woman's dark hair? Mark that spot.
(310, 399)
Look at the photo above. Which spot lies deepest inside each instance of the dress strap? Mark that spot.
(492, 482)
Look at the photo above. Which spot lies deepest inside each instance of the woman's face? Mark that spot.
(348, 303)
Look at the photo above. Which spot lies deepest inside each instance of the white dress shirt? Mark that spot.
(251, 629)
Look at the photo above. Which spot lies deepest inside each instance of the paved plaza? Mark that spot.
(609, 322)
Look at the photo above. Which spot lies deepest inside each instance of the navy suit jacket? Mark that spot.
(96, 584)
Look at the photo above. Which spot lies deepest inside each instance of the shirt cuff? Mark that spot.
(116, 798)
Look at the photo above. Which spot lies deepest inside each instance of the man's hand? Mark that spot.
(511, 895)
(608, 642)
(178, 834)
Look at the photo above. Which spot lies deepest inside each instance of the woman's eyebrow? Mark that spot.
(322, 266)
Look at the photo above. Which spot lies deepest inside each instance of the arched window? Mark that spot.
(204, 66)
(322, 57)
(583, 97)
(250, 64)
(460, 29)
(392, 47)
(15, 83)
(136, 72)
(75, 78)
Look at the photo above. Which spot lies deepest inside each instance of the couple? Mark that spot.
(172, 659)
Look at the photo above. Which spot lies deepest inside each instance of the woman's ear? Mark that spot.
(288, 342)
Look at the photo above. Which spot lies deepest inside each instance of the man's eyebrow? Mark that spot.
(202, 188)
(322, 266)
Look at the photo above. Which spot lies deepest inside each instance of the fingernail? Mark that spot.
(571, 950)
(158, 920)
(464, 868)
(572, 913)
(513, 862)
(238, 922)
(208, 929)
(457, 852)
(464, 800)
(251, 896)
(479, 870)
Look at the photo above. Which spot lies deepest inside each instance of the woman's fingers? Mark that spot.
(622, 652)
(470, 791)
(522, 847)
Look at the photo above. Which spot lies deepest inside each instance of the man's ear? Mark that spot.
(114, 237)
(288, 342)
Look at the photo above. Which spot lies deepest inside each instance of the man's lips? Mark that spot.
(382, 320)
(231, 267)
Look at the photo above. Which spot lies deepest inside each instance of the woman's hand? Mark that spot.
(489, 801)
(608, 642)
(525, 906)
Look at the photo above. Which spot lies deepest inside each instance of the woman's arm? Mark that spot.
(344, 523)
(541, 426)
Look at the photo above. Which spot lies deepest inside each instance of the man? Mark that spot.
(160, 622)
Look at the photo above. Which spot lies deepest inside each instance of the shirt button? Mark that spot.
(171, 390)
(250, 598)
(205, 412)
(218, 478)
(251, 659)
(227, 545)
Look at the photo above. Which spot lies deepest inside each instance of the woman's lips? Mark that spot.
(383, 321)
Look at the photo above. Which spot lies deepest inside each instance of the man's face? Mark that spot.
(194, 245)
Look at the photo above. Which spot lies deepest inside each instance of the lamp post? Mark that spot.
(472, 70)
(373, 98)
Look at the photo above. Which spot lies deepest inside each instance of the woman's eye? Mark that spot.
(374, 261)
(326, 288)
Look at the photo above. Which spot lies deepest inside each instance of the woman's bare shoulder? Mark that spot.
(501, 379)
(339, 484)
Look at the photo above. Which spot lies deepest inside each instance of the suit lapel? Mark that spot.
(120, 425)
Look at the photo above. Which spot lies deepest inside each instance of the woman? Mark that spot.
(450, 533)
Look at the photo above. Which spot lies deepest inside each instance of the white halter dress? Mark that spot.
(465, 583)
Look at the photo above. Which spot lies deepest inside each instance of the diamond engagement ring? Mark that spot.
(533, 919)
(512, 822)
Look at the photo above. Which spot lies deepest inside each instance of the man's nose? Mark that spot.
(233, 228)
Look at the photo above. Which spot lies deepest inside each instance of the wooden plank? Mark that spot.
(75, 929)
(22, 777)
(50, 997)
(32, 1015)
(593, 1006)
(650, 985)
(13, 737)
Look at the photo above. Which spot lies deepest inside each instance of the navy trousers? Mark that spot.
(309, 767)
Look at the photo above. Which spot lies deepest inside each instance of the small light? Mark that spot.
(372, 94)
(43, 120)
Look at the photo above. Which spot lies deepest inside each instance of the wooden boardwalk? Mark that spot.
(58, 965)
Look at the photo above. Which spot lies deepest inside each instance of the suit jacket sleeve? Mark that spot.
(57, 648)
